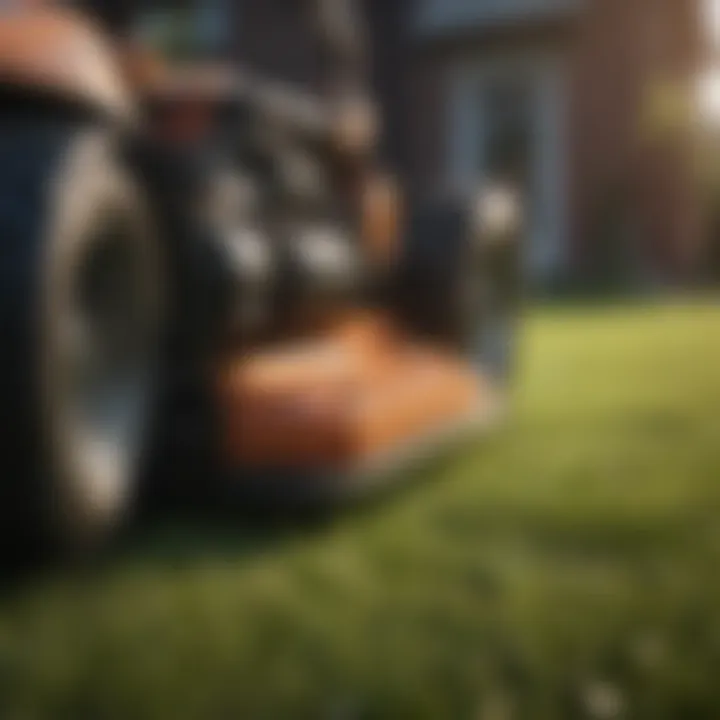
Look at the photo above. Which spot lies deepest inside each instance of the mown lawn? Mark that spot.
(568, 567)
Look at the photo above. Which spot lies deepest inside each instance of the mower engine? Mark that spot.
(251, 188)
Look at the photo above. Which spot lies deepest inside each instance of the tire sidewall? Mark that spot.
(88, 186)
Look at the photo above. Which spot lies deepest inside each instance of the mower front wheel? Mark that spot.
(80, 326)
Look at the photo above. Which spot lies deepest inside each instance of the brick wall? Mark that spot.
(622, 49)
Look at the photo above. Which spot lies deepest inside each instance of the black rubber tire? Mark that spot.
(459, 281)
(59, 181)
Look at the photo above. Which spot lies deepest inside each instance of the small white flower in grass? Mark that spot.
(602, 700)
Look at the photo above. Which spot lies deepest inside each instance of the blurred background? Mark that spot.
(601, 110)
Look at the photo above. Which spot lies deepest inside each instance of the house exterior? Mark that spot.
(587, 105)
(578, 87)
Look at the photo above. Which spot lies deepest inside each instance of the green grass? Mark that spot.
(567, 567)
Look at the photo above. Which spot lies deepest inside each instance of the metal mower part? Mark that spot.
(208, 282)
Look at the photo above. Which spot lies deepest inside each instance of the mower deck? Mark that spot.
(342, 415)
(298, 489)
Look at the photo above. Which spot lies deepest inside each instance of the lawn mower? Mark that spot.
(210, 284)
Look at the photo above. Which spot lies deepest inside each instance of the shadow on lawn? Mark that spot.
(197, 532)
(176, 539)
(191, 536)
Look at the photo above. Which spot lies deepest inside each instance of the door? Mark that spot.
(507, 123)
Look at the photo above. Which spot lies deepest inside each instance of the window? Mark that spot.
(214, 22)
(451, 15)
(508, 111)
(187, 29)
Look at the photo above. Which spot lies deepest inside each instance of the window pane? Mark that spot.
(191, 29)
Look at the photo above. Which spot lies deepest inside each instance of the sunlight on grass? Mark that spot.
(563, 568)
